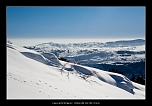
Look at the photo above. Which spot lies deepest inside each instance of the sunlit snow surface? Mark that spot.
(30, 75)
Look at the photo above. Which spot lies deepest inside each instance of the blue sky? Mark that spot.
(75, 22)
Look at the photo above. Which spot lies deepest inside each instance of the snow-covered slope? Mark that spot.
(33, 75)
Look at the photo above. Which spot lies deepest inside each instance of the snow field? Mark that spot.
(28, 78)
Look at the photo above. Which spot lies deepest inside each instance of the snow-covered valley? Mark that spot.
(125, 55)
(37, 75)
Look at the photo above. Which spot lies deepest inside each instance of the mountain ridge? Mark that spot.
(100, 44)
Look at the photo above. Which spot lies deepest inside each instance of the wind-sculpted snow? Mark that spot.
(37, 57)
(46, 58)
(112, 78)
(123, 82)
(82, 70)
(29, 78)
(52, 58)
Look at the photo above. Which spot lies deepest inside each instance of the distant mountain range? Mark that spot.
(136, 42)
(122, 43)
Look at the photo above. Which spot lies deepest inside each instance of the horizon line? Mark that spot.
(35, 41)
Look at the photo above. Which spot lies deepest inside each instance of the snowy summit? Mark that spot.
(32, 75)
